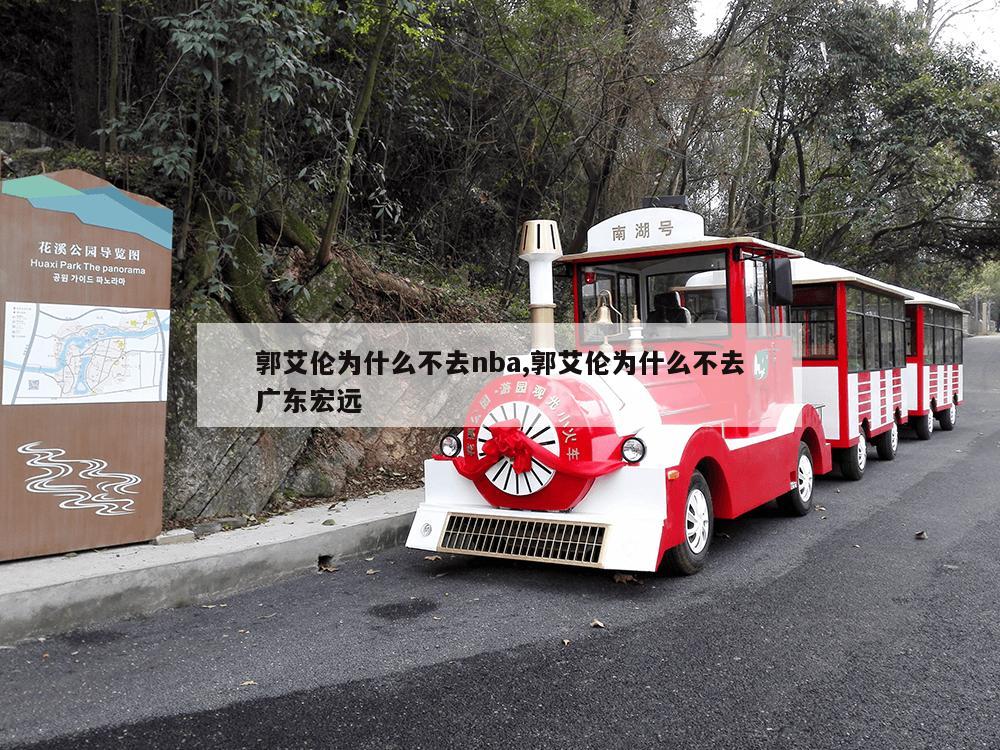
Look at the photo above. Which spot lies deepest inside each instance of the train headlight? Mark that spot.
(451, 446)
(633, 450)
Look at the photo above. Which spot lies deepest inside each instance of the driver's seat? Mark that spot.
(667, 308)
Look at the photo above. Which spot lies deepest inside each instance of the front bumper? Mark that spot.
(618, 526)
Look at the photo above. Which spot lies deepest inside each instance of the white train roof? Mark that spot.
(919, 298)
(659, 229)
(808, 271)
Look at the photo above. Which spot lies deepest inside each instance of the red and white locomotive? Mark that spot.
(626, 471)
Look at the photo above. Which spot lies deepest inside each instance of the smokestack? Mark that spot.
(539, 247)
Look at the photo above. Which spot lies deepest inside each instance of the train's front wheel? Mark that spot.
(688, 557)
(798, 502)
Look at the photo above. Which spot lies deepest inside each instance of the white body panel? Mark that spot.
(631, 502)
(819, 386)
(872, 397)
(943, 384)
(910, 386)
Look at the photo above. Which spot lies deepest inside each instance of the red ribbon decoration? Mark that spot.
(509, 441)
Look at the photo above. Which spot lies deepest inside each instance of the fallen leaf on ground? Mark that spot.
(920, 535)
(246, 683)
(820, 508)
(329, 522)
(432, 558)
(370, 572)
(369, 559)
(627, 578)
(328, 568)
(565, 641)
(209, 606)
(857, 546)
(595, 623)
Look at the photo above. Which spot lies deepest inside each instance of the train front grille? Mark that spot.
(569, 542)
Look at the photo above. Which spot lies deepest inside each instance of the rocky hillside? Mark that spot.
(226, 472)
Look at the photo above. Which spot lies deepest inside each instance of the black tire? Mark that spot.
(684, 559)
(854, 460)
(888, 443)
(947, 418)
(798, 502)
(923, 426)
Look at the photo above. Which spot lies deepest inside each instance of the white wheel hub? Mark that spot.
(952, 413)
(930, 421)
(697, 521)
(862, 452)
(805, 479)
(894, 437)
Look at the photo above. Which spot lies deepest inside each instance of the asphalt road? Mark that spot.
(838, 630)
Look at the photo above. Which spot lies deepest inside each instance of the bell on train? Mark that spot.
(603, 314)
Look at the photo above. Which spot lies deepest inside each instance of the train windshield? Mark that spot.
(668, 295)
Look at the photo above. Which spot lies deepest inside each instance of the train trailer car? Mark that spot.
(625, 471)
(933, 381)
(853, 331)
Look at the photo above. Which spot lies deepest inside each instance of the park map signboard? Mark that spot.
(85, 320)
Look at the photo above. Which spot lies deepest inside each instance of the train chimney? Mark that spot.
(539, 247)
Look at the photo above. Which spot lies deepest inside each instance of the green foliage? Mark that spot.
(834, 125)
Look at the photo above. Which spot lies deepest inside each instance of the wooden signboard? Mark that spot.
(85, 321)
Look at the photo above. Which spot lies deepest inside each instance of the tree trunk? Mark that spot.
(357, 122)
(597, 183)
(734, 215)
(803, 196)
(113, 77)
(85, 73)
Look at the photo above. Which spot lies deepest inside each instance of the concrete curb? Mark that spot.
(56, 594)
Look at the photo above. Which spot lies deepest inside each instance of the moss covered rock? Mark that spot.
(216, 471)
(325, 298)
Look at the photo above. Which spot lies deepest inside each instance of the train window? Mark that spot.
(759, 314)
(855, 342)
(677, 289)
(871, 343)
(814, 310)
(911, 331)
(876, 331)
(888, 349)
(819, 331)
(928, 337)
(942, 336)
(628, 293)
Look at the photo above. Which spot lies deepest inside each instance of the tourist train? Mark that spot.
(630, 470)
